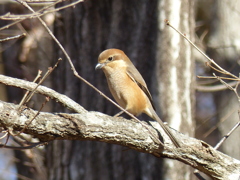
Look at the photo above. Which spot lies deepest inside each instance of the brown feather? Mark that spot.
(136, 77)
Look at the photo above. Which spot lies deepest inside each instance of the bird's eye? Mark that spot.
(110, 58)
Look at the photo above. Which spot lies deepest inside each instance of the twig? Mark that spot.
(38, 13)
(18, 21)
(226, 136)
(23, 147)
(50, 70)
(26, 94)
(212, 67)
(236, 92)
(199, 50)
(5, 134)
(214, 88)
(222, 81)
(238, 123)
(211, 77)
(13, 37)
(29, 96)
(8, 135)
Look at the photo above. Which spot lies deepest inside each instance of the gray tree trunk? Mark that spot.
(175, 75)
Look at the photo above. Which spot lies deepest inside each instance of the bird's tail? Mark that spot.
(165, 128)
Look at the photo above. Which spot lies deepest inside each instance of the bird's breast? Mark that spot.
(126, 92)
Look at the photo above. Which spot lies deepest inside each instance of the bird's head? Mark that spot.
(112, 58)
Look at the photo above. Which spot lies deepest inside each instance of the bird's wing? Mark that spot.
(136, 77)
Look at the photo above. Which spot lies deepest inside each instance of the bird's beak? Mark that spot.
(99, 66)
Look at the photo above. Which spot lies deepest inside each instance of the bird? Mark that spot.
(128, 87)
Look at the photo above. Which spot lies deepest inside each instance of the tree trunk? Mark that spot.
(175, 75)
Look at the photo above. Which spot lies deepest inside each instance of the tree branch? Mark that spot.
(66, 101)
(96, 126)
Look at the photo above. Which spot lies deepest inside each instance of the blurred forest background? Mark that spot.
(207, 109)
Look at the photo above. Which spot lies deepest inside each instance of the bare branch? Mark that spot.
(199, 50)
(66, 101)
(22, 147)
(14, 37)
(214, 88)
(50, 70)
(227, 135)
(27, 93)
(99, 127)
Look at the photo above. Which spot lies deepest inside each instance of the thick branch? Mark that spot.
(99, 127)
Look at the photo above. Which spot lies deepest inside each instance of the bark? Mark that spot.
(96, 126)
